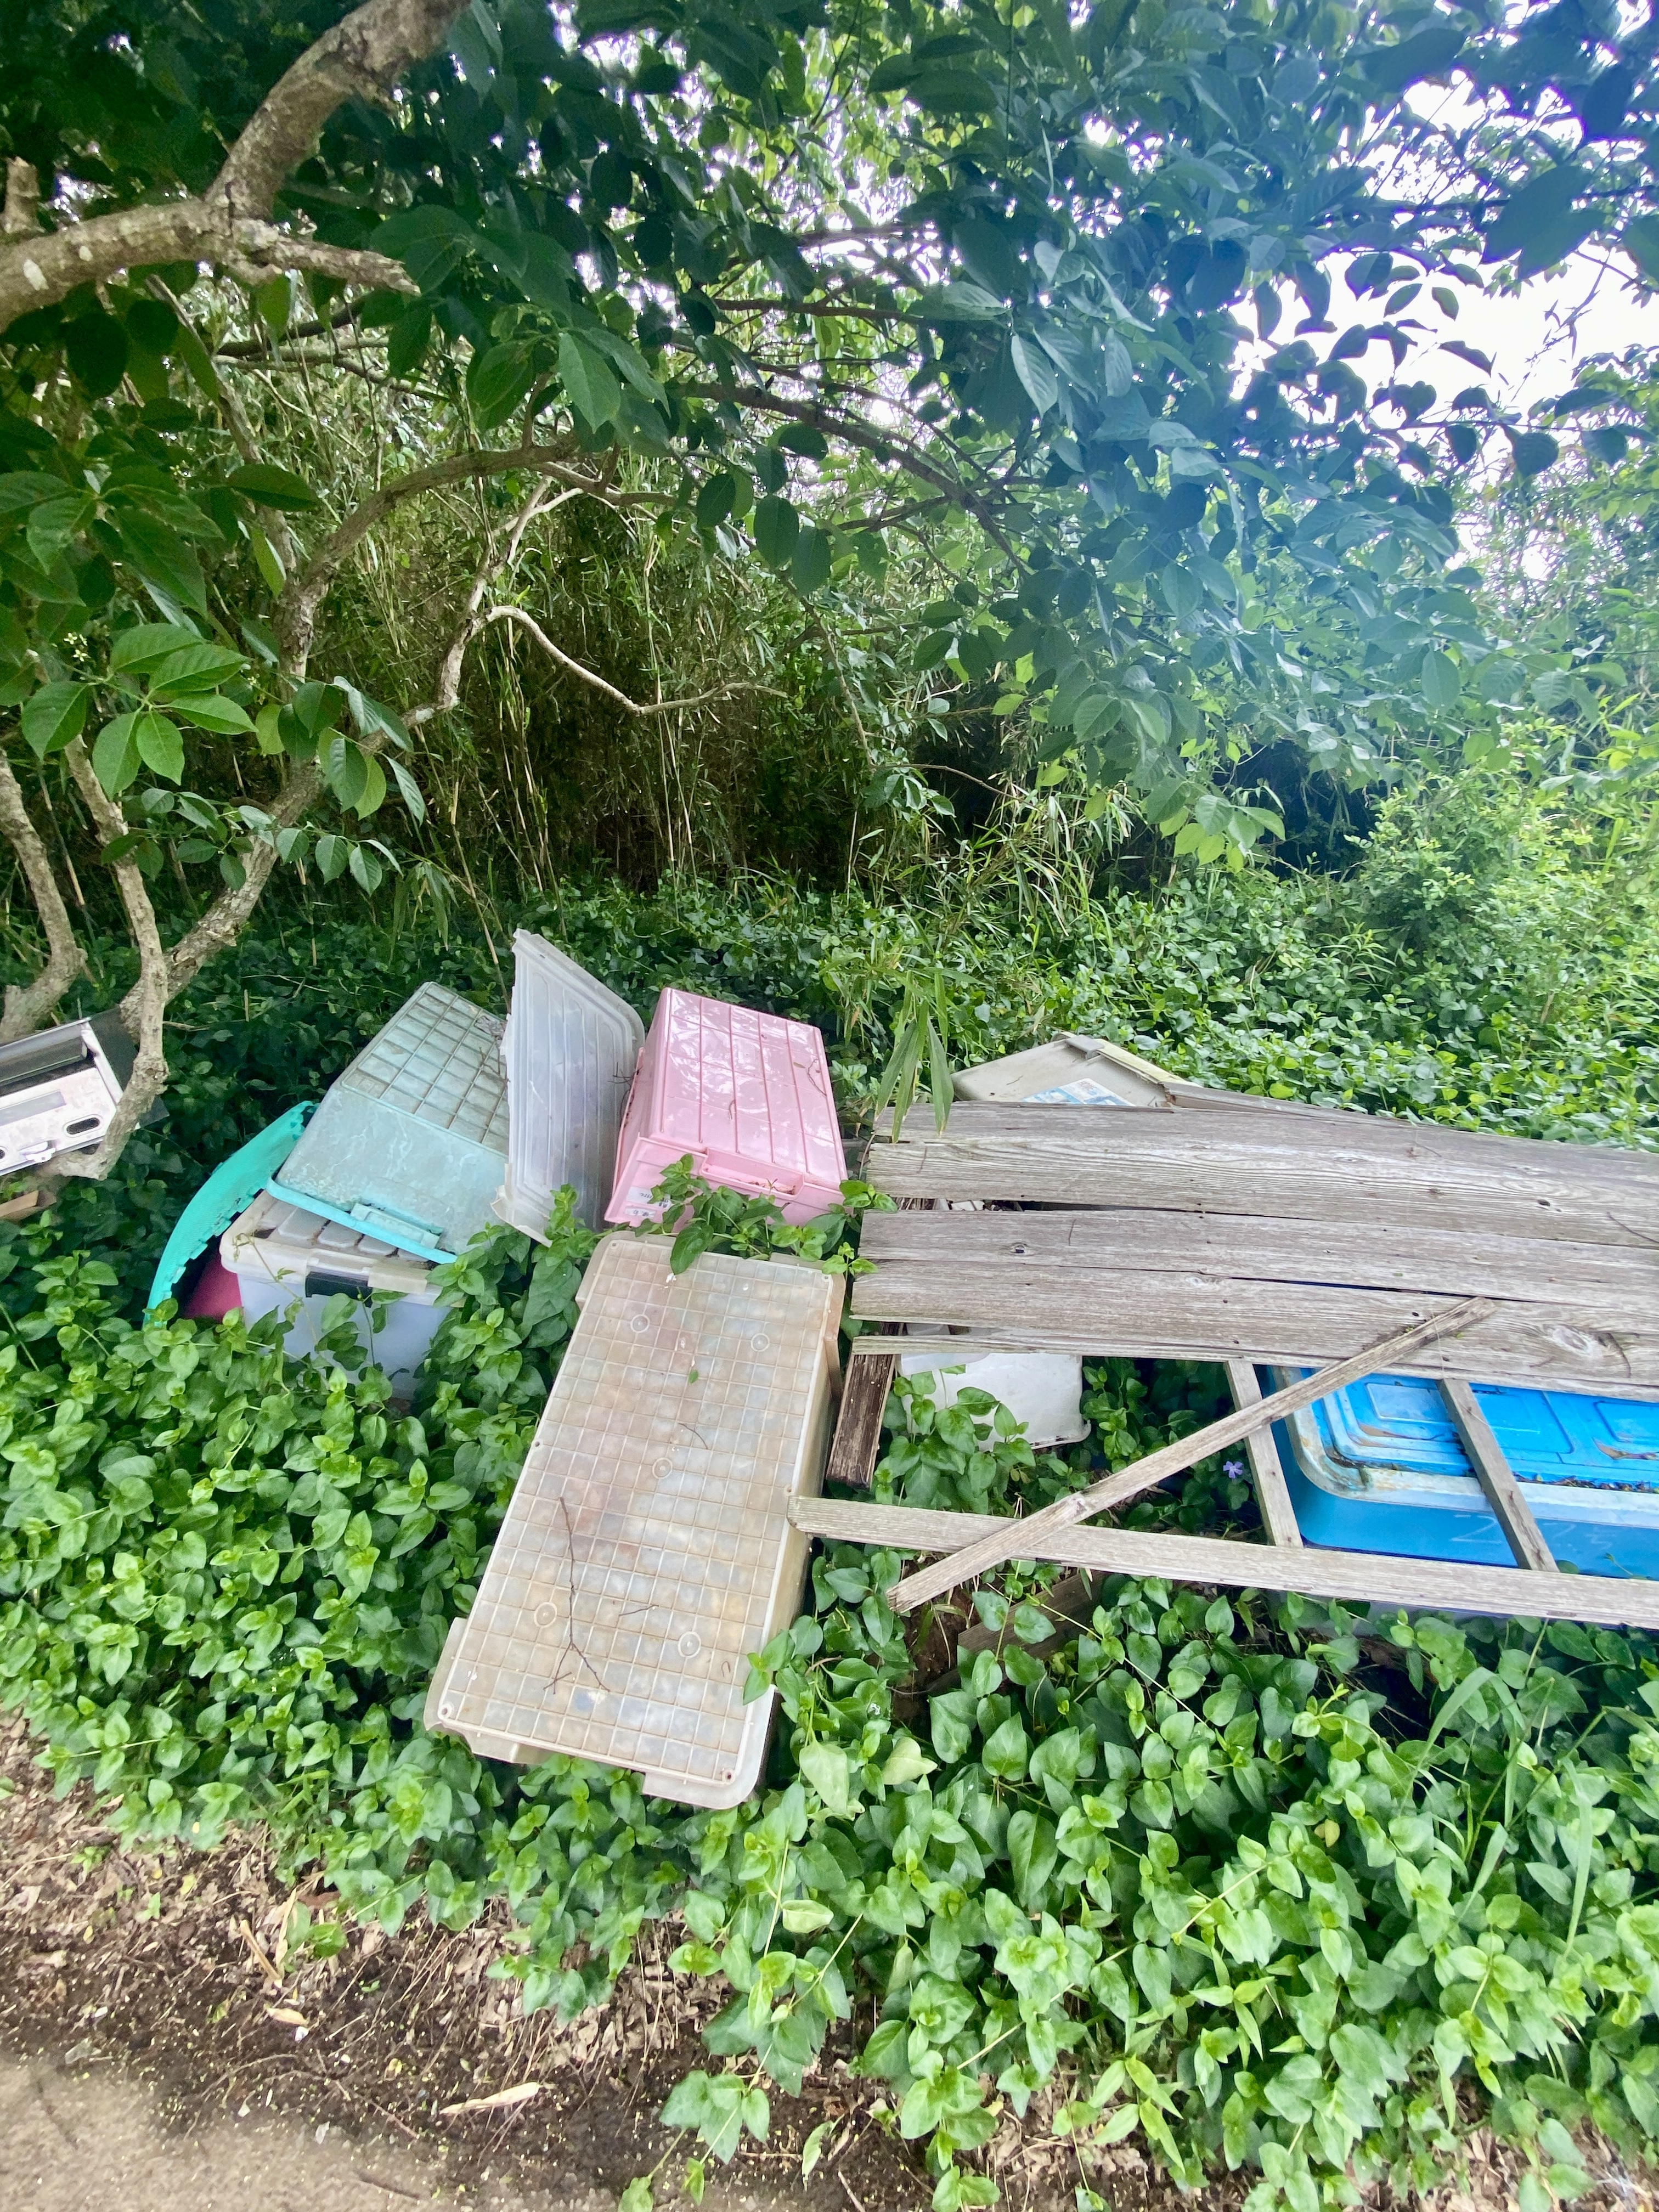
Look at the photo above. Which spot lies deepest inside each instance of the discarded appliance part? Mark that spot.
(281, 1255)
(1380, 1468)
(229, 1190)
(1042, 1389)
(1234, 1233)
(1071, 1070)
(747, 1094)
(408, 1144)
(571, 1049)
(58, 1089)
(1360, 1579)
(646, 1550)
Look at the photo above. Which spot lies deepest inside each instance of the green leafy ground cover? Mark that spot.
(1278, 1888)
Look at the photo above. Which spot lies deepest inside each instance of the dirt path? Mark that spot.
(161, 2043)
(87, 2140)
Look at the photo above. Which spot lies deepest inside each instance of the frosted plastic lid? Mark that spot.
(288, 1244)
(646, 1550)
(570, 1048)
(409, 1141)
(1071, 1070)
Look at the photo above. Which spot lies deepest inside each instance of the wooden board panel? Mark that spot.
(1385, 1255)
(1139, 1314)
(857, 1445)
(1356, 1578)
(1294, 1167)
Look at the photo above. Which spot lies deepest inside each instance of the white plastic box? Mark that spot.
(410, 1143)
(646, 1550)
(280, 1254)
(571, 1049)
(1071, 1070)
(1043, 1390)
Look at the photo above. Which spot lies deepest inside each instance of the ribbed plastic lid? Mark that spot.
(571, 1049)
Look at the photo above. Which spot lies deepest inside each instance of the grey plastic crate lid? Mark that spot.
(409, 1142)
(571, 1049)
(646, 1550)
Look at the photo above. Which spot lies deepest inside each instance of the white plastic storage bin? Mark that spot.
(1043, 1390)
(1070, 1070)
(646, 1551)
(410, 1143)
(280, 1254)
(571, 1049)
(58, 1089)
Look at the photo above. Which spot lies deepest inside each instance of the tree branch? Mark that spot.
(147, 998)
(520, 620)
(27, 1006)
(364, 58)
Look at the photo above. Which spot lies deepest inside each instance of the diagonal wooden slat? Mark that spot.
(1497, 1478)
(1172, 1459)
(1271, 1495)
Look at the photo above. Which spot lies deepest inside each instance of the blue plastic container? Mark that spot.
(1379, 1467)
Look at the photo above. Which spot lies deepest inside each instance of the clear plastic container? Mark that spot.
(1042, 1389)
(58, 1089)
(1070, 1070)
(747, 1094)
(280, 1254)
(1380, 1468)
(646, 1550)
(410, 1142)
(571, 1049)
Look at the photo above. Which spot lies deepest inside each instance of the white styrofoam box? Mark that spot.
(1043, 1389)
(571, 1049)
(280, 1254)
(646, 1550)
(1071, 1070)
(58, 1089)
(408, 1143)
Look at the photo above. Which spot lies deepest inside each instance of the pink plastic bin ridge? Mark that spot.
(747, 1094)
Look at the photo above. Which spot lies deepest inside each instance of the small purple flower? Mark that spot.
(1232, 1466)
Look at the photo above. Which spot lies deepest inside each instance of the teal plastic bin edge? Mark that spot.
(233, 1186)
(366, 1223)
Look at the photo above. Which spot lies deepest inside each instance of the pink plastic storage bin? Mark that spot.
(747, 1094)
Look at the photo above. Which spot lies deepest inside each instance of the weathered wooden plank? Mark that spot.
(1497, 1478)
(1295, 1167)
(1174, 1458)
(1272, 1494)
(857, 1443)
(1612, 1347)
(1355, 1578)
(1267, 1248)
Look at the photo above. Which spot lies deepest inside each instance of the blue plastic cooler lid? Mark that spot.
(1400, 1421)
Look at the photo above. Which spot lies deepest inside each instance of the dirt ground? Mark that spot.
(158, 2045)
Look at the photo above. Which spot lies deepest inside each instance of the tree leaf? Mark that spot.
(160, 744)
(115, 754)
(95, 347)
(267, 485)
(54, 715)
(407, 790)
(589, 379)
(1442, 681)
(776, 526)
(1540, 202)
(1035, 371)
(210, 710)
(498, 379)
(810, 562)
(1534, 451)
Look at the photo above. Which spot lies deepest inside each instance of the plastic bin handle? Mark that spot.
(380, 1227)
(320, 1285)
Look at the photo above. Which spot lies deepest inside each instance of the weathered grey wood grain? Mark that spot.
(1291, 1167)
(1382, 1256)
(1612, 1347)
(1497, 1478)
(1355, 1578)
(857, 1443)
(1272, 1493)
(1187, 1451)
